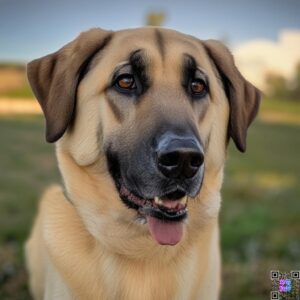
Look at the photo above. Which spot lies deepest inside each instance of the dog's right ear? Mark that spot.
(244, 98)
(54, 79)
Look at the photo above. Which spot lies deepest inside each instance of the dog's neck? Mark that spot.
(76, 253)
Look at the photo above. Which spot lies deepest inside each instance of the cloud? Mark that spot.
(256, 58)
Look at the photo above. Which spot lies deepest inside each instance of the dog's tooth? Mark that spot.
(183, 200)
(157, 200)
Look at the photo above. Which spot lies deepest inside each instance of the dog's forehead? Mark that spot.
(163, 49)
(163, 52)
(157, 43)
(146, 33)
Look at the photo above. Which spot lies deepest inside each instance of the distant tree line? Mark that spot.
(279, 87)
(4, 65)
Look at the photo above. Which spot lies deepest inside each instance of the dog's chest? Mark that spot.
(149, 281)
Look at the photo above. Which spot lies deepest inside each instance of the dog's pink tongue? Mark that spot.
(165, 233)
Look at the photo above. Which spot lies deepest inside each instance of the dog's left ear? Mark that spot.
(54, 79)
(243, 97)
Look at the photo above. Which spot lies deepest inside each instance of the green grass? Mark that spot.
(280, 106)
(27, 166)
(260, 224)
(22, 92)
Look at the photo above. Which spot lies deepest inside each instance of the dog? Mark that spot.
(141, 119)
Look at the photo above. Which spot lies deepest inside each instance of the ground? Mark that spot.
(260, 224)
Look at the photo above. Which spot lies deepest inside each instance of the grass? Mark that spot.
(28, 166)
(279, 105)
(260, 224)
(13, 81)
(260, 215)
(24, 91)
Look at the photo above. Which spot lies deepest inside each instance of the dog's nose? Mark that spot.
(179, 157)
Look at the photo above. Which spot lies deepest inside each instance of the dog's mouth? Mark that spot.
(164, 214)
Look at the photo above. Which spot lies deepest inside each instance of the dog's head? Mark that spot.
(151, 110)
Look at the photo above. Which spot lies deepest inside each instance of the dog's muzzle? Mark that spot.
(157, 178)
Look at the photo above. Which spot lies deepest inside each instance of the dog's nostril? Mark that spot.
(169, 159)
(196, 160)
(180, 162)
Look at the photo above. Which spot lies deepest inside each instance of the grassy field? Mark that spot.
(13, 81)
(260, 222)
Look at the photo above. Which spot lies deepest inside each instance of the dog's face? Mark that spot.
(153, 109)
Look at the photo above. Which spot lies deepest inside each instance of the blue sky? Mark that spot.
(32, 28)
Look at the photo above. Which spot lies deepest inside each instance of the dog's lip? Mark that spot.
(136, 200)
(163, 207)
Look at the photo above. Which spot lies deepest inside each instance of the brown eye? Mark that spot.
(198, 86)
(126, 82)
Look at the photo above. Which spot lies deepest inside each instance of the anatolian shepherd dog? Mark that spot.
(141, 119)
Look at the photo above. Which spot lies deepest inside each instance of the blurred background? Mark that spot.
(260, 217)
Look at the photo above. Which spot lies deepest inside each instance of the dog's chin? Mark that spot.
(164, 214)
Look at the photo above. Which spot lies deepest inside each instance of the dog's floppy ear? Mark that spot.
(54, 79)
(243, 97)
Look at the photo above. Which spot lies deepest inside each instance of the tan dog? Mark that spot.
(141, 119)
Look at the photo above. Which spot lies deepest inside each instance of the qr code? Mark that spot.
(274, 295)
(285, 285)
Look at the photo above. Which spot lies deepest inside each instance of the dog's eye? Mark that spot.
(198, 86)
(126, 82)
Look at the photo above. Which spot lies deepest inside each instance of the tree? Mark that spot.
(279, 87)
(155, 18)
(296, 83)
(276, 85)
